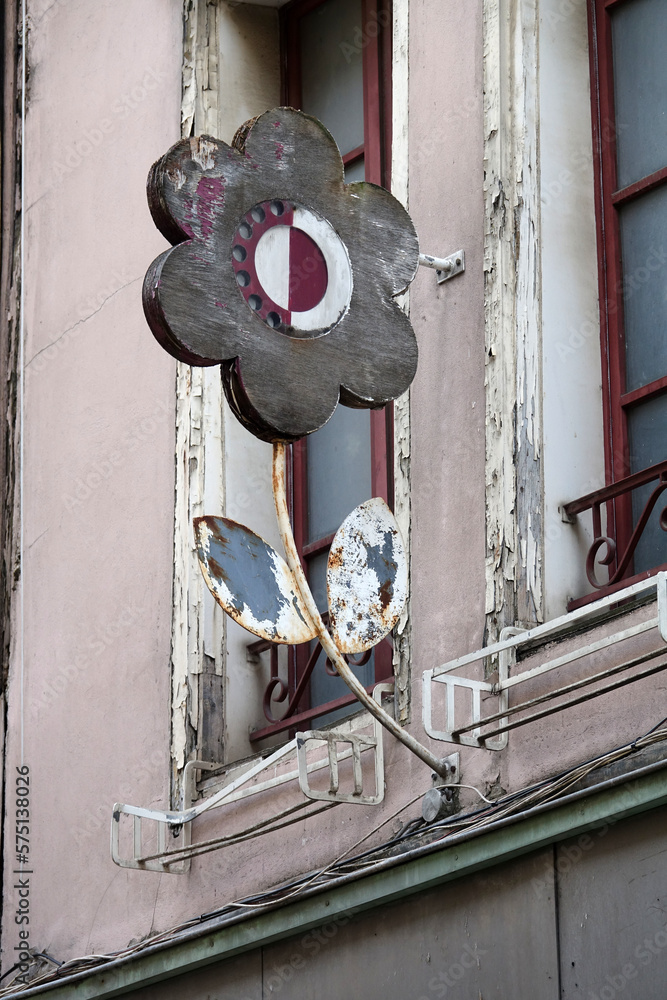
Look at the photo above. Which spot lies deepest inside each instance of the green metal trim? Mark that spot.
(365, 893)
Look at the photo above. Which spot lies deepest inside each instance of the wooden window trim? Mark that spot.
(608, 200)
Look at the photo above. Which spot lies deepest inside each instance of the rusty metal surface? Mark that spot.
(328, 644)
(367, 577)
(250, 581)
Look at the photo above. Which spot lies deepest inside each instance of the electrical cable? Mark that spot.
(540, 792)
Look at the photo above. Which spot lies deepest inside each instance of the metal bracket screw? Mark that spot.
(445, 267)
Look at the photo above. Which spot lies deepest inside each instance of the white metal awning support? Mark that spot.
(491, 731)
(162, 840)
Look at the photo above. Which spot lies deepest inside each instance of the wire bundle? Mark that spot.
(417, 833)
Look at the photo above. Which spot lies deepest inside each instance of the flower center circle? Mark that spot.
(291, 268)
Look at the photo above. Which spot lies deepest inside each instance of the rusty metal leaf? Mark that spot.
(250, 581)
(367, 577)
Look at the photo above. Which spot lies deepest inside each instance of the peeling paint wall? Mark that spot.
(198, 623)
(512, 315)
(543, 392)
(230, 73)
(400, 189)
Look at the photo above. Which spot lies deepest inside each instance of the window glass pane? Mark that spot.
(339, 470)
(639, 32)
(331, 70)
(647, 436)
(323, 687)
(355, 171)
(644, 245)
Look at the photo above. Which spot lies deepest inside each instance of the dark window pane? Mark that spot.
(331, 70)
(355, 171)
(647, 434)
(644, 247)
(339, 470)
(639, 31)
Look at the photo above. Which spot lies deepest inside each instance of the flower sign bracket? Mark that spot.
(445, 267)
(287, 278)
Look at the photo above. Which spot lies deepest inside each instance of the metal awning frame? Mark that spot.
(176, 826)
(512, 641)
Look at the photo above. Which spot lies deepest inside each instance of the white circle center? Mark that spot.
(275, 272)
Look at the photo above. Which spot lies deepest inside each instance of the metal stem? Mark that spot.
(328, 645)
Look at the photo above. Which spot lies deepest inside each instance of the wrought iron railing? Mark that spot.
(619, 559)
(277, 690)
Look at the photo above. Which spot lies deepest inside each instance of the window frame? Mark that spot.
(608, 200)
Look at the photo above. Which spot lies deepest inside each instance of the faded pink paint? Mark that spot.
(99, 466)
(210, 198)
(99, 476)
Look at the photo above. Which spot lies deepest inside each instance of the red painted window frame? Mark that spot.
(608, 199)
(376, 150)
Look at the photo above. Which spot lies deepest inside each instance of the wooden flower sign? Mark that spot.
(282, 274)
(286, 277)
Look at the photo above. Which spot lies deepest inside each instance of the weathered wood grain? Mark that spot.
(281, 383)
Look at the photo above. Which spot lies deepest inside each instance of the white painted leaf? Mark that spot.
(250, 581)
(367, 577)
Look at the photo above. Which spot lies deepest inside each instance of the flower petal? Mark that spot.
(187, 187)
(379, 235)
(282, 394)
(193, 317)
(378, 355)
(298, 151)
(283, 378)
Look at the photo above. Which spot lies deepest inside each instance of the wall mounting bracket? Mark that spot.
(479, 713)
(445, 267)
(161, 841)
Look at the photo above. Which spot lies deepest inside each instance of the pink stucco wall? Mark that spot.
(104, 102)
(446, 204)
(99, 411)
